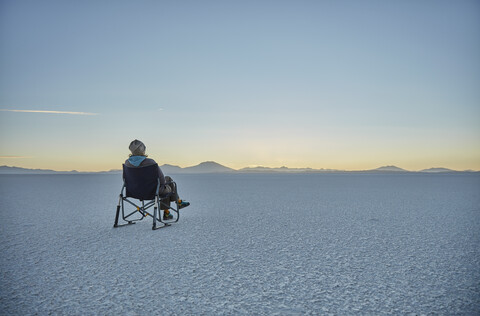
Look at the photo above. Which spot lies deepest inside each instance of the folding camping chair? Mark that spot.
(143, 184)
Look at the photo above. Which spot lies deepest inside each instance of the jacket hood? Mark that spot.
(136, 160)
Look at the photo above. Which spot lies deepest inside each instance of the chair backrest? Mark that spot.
(141, 182)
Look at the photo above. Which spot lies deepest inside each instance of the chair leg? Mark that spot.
(154, 226)
(118, 211)
(157, 212)
(116, 216)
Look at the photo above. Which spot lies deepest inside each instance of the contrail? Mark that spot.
(50, 112)
(16, 157)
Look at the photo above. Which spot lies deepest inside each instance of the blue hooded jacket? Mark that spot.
(136, 160)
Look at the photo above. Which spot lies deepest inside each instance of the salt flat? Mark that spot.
(249, 244)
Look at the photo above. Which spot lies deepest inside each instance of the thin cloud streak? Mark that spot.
(14, 157)
(49, 112)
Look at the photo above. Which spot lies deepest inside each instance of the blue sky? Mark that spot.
(322, 84)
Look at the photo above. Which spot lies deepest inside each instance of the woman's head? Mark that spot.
(137, 148)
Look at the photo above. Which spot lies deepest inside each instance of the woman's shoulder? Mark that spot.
(148, 162)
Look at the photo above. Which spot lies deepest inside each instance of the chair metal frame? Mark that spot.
(146, 202)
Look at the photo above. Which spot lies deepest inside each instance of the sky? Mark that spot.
(323, 84)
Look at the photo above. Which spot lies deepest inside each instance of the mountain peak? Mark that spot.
(209, 163)
(433, 170)
(390, 169)
(208, 167)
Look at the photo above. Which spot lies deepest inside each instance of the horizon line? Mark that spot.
(273, 169)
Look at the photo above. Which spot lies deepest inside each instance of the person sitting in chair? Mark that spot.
(138, 158)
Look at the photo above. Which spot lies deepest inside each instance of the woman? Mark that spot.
(138, 158)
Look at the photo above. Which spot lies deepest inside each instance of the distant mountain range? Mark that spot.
(18, 170)
(213, 167)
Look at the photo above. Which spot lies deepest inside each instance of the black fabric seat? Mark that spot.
(141, 183)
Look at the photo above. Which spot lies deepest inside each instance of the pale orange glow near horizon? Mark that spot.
(345, 163)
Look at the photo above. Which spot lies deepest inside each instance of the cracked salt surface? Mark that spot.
(249, 244)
